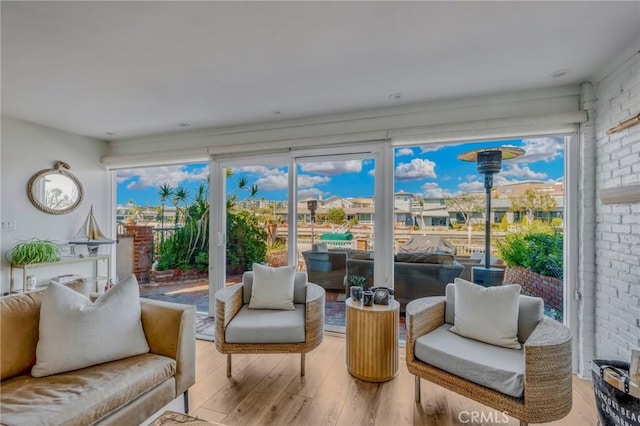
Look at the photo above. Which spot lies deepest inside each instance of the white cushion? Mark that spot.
(487, 314)
(272, 287)
(76, 333)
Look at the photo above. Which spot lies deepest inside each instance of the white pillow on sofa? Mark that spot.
(487, 314)
(76, 333)
(272, 287)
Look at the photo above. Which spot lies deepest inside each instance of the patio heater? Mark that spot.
(489, 161)
(312, 206)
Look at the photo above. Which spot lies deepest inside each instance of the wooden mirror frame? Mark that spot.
(60, 168)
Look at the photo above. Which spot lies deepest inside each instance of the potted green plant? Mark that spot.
(33, 251)
(357, 285)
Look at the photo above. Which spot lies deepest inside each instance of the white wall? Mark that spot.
(27, 148)
(617, 289)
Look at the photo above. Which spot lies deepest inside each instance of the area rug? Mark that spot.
(171, 418)
(204, 327)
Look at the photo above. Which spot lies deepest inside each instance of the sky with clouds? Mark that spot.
(430, 171)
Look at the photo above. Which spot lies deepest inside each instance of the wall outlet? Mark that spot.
(8, 225)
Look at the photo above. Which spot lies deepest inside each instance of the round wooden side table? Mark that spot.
(372, 340)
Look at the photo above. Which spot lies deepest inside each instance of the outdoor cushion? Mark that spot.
(360, 254)
(85, 396)
(267, 326)
(492, 366)
(530, 312)
(487, 314)
(299, 287)
(438, 258)
(272, 287)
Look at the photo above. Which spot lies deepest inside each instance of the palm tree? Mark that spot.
(181, 195)
(165, 192)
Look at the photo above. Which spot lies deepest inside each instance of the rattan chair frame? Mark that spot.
(547, 379)
(228, 303)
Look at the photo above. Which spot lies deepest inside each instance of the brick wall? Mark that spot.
(142, 250)
(534, 284)
(617, 290)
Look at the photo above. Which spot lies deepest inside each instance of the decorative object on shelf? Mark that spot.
(634, 366)
(381, 295)
(31, 282)
(489, 162)
(67, 250)
(55, 191)
(367, 298)
(91, 235)
(629, 122)
(33, 251)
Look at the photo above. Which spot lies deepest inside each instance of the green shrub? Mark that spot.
(246, 240)
(540, 252)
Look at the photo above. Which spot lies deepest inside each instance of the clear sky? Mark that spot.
(431, 171)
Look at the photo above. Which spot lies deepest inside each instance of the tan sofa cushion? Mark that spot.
(84, 396)
(19, 329)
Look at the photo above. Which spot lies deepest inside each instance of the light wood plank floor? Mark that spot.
(268, 390)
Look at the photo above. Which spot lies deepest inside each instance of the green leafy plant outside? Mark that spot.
(34, 251)
(246, 240)
(536, 250)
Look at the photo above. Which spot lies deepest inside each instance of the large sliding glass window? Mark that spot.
(317, 211)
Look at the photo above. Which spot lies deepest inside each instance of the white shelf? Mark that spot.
(63, 261)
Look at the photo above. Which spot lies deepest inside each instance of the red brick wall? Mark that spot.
(534, 284)
(172, 275)
(142, 250)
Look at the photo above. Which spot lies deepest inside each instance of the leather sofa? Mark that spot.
(416, 275)
(126, 391)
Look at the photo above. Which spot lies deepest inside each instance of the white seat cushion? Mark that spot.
(492, 366)
(267, 326)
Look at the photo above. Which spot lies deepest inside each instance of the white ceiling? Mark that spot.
(138, 68)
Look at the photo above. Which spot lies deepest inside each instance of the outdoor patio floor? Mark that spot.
(197, 293)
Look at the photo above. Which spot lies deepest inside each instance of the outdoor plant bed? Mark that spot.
(178, 275)
(535, 284)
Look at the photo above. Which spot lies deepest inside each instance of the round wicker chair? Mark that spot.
(230, 300)
(547, 371)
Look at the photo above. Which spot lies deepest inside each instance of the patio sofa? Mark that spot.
(416, 275)
(326, 268)
(127, 391)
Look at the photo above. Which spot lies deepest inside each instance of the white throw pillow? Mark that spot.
(272, 287)
(487, 314)
(76, 333)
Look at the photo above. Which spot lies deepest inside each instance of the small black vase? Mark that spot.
(356, 293)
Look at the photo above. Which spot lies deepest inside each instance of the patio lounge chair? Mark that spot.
(266, 331)
(532, 384)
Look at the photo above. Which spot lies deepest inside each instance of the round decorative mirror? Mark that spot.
(55, 191)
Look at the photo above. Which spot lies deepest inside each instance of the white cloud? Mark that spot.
(524, 172)
(333, 168)
(273, 182)
(473, 186)
(433, 190)
(418, 168)
(306, 181)
(310, 192)
(158, 176)
(403, 152)
(542, 149)
(372, 172)
(257, 170)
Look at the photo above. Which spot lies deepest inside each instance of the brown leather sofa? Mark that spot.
(126, 391)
